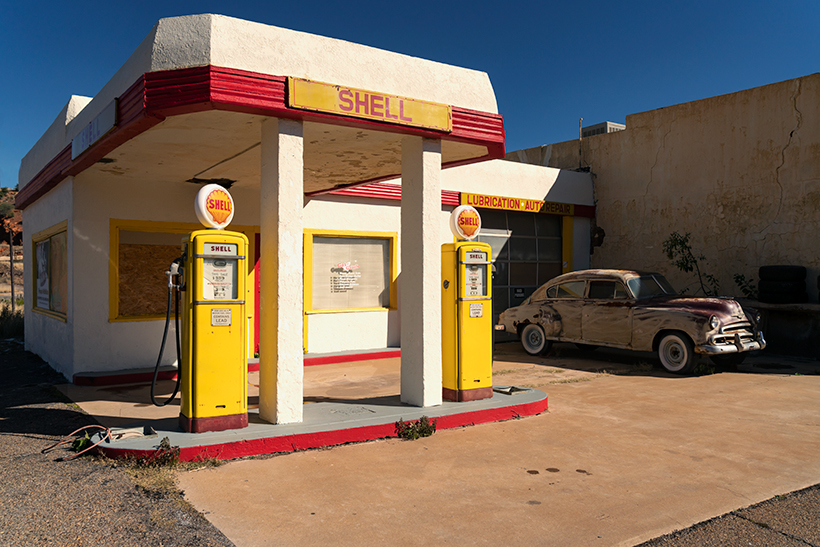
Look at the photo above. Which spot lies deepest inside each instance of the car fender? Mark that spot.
(648, 323)
(543, 315)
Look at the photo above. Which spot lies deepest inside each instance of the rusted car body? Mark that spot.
(633, 310)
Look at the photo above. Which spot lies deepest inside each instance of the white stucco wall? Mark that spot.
(101, 345)
(201, 40)
(54, 340)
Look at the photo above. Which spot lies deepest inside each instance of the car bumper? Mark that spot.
(738, 346)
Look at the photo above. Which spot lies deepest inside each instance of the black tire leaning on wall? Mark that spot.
(781, 287)
(782, 273)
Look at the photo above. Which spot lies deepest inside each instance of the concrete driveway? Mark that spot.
(626, 453)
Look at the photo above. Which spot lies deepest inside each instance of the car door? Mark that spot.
(606, 318)
(568, 300)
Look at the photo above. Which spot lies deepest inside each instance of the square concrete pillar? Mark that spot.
(420, 299)
(281, 372)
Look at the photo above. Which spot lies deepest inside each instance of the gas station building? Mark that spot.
(344, 162)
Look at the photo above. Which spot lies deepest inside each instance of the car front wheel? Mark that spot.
(533, 340)
(677, 353)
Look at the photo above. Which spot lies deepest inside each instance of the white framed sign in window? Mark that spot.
(351, 273)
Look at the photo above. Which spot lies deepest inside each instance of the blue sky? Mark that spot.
(550, 63)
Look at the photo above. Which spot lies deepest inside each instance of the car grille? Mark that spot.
(728, 332)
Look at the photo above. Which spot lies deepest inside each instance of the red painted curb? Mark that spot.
(291, 443)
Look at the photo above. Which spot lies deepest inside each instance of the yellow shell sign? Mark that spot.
(214, 206)
(369, 105)
(465, 222)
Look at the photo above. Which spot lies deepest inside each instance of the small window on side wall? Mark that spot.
(51, 270)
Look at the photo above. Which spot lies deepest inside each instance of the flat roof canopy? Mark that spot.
(190, 101)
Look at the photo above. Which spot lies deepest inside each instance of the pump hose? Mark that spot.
(162, 348)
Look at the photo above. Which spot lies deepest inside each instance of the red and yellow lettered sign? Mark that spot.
(371, 105)
(517, 204)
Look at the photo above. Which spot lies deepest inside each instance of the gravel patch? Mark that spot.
(87, 501)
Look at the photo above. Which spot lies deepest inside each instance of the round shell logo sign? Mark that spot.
(214, 206)
(465, 222)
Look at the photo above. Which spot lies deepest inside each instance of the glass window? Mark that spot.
(351, 273)
(493, 221)
(539, 294)
(523, 248)
(573, 289)
(550, 250)
(499, 245)
(650, 286)
(51, 275)
(608, 290)
(548, 271)
(521, 224)
(547, 225)
(523, 274)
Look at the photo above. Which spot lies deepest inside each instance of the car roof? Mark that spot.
(582, 275)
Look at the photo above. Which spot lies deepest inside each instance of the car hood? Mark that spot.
(724, 308)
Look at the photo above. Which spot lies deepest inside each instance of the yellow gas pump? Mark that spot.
(214, 365)
(466, 315)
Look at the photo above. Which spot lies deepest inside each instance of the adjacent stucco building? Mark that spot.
(740, 172)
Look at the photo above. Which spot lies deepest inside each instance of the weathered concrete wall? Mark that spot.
(741, 172)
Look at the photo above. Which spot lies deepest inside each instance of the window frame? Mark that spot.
(309, 234)
(39, 237)
(152, 226)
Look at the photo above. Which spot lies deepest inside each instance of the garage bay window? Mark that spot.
(349, 271)
(51, 270)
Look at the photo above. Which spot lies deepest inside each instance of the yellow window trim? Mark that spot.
(35, 239)
(56, 315)
(182, 228)
(566, 244)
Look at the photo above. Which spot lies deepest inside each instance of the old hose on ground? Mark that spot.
(172, 289)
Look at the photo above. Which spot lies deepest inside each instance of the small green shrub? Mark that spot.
(164, 456)
(11, 323)
(746, 286)
(423, 427)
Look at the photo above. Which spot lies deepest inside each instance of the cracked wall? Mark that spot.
(741, 172)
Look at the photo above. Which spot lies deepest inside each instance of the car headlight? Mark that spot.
(714, 322)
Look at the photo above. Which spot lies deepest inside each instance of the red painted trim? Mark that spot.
(380, 190)
(587, 211)
(121, 379)
(350, 358)
(291, 443)
(461, 395)
(157, 95)
(213, 423)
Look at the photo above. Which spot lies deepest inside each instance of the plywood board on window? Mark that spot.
(143, 285)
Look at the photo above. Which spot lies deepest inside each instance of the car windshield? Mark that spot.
(650, 286)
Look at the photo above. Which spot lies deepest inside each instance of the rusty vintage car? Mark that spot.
(633, 310)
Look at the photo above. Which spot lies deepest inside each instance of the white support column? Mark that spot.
(421, 271)
(281, 372)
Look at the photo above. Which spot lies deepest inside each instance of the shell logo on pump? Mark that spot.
(214, 206)
(465, 222)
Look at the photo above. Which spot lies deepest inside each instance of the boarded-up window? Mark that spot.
(351, 273)
(144, 257)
